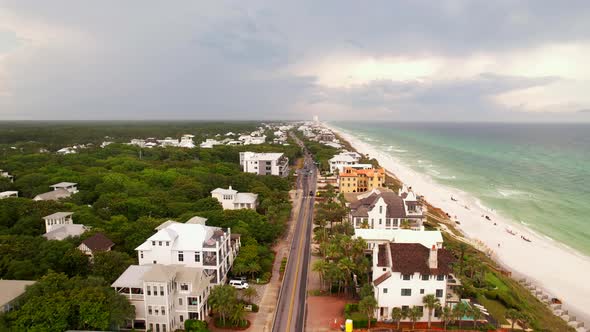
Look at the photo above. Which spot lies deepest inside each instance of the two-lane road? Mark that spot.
(290, 310)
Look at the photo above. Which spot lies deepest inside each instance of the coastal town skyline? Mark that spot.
(410, 61)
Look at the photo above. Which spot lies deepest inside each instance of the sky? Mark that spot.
(388, 60)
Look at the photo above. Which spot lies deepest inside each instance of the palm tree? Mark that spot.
(462, 249)
(320, 266)
(513, 315)
(476, 314)
(397, 315)
(525, 320)
(222, 299)
(237, 314)
(446, 315)
(414, 314)
(367, 306)
(460, 310)
(249, 293)
(346, 265)
(431, 302)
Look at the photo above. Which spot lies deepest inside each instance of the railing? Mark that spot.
(192, 307)
(133, 296)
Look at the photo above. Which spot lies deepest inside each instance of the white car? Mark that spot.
(239, 284)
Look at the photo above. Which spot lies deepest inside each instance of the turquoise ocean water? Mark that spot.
(535, 174)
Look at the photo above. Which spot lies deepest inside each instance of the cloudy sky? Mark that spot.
(363, 60)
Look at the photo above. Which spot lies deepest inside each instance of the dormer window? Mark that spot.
(406, 276)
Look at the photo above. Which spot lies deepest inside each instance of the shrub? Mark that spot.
(349, 308)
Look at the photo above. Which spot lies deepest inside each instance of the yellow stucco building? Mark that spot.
(353, 180)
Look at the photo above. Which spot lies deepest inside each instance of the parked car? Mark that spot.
(239, 284)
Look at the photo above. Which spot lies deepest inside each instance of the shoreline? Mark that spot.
(561, 267)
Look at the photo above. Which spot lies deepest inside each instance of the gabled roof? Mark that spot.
(53, 195)
(382, 278)
(408, 258)
(246, 198)
(65, 231)
(223, 191)
(183, 236)
(197, 220)
(11, 289)
(395, 205)
(132, 277)
(63, 185)
(98, 242)
(59, 215)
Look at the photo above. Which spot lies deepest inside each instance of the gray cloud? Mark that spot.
(190, 59)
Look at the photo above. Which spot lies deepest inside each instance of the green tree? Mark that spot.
(446, 315)
(513, 315)
(192, 325)
(397, 315)
(222, 300)
(367, 306)
(476, 314)
(110, 265)
(459, 311)
(431, 303)
(414, 314)
(320, 266)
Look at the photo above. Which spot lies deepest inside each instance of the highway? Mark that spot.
(290, 310)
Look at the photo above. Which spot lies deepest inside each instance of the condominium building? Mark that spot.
(264, 163)
(353, 180)
(164, 296)
(177, 268)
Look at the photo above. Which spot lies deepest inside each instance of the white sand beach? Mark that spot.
(560, 271)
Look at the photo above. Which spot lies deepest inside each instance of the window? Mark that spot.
(406, 292)
(421, 290)
(180, 302)
(163, 309)
(181, 319)
(405, 308)
(425, 277)
(197, 257)
(180, 256)
(380, 221)
(439, 293)
(153, 243)
(381, 209)
(162, 290)
(406, 276)
(149, 290)
(160, 243)
(141, 254)
(184, 287)
(167, 243)
(156, 311)
(149, 310)
(155, 262)
(440, 277)
(384, 290)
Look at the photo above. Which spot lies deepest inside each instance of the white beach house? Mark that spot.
(192, 245)
(186, 141)
(264, 163)
(381, 209)
(164, 296)
(231, 199)
(60, 190)
(60, 225)
(6, 174)
(403, 273)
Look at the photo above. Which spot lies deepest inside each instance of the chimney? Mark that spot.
(433, 258)
(230, 187)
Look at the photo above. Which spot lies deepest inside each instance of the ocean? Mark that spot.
(535, 174)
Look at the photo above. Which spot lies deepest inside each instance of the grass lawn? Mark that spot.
(495, 308)
(494, 280)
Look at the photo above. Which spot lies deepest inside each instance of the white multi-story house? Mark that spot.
(57, 220)
(192, 244)
(60, 190)
(231, 199)
(209, 143)
(186, 141)
(403, 273)
(164, 296)
(264, 163)
(252, 140)
(340, 161)
(386, 210)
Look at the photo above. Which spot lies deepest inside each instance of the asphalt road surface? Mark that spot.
(290, 310)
